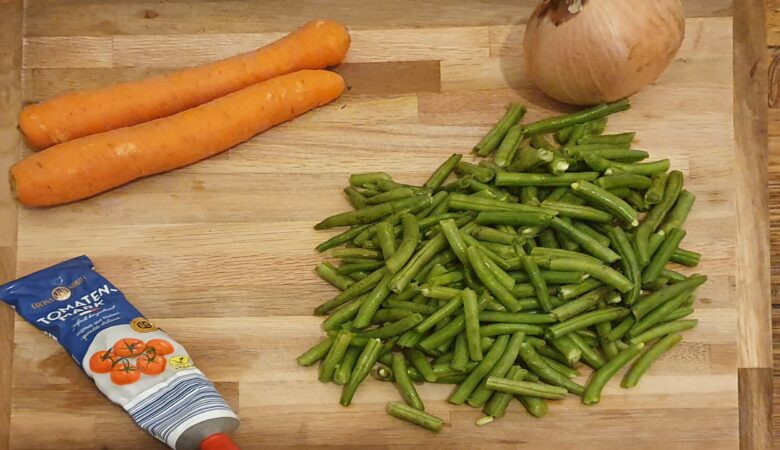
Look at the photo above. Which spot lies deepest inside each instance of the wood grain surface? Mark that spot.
(220, 254)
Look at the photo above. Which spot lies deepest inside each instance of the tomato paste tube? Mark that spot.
(134, 363)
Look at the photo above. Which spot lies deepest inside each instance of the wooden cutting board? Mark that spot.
(220, 254)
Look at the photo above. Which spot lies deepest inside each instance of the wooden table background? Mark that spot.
(75, 43)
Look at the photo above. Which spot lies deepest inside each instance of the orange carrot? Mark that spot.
(87, 166)
(316, 45)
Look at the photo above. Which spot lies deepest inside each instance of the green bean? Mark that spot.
(335, 355)
(445, 311)
(439, 292)
(373, 301)
(561, 368)
(471, 315)
(404, 383)
(614, 154)
(360, 287)
(453, 236)
(672, 276)
(538, 283)
(450, 330)
(621, 138)
(648, 168)
(628, 180)
(679, 213)
(538, 366)
(658, 315)
(437, 199)
(393, 194)
(499, 401)
(355, 198)
(420, 362)
(580, 212)
(472, 203)
(363, 253)
(588, 244)
(342, 237)
(629, 262)
(655, 192)
(526, 388)
(508, 317)
(394, 328)
(344, 369)
(479, 173)
(481, 394)
(547, 239)
(601, 272)
(590, 355)
(586, 115)
(571, 291)
(678, 314)
(685, 257)
(360, 179)
(465, 389)
(600, 378)
(513, 218)
(551, 353)
(461, 184)
(561, 253)
(328, 273)
(415, 416)
(344, 314)
(567, 243)
(411, 233)
(568, 349)
(315, 353)
(494, 137)
(557, 193)
(558, 165)
(581, 304)
(653, 219)
(494, 305)
(655, 241)
(586, 320)
(650, 302)
(609, 347)
(529, 158)
(607, 201)
(664, 329)
(590, 231)
(461, 353)
(346, 269)
(563, 135)
(414, 265)
(663, 255)
(622, 328)
(497, 329)
(445, 278)
(373, 213)
(363, 366)
(541, 179)
(529, 195)
(386, 238)
(503, 295)
(648, 357)
(656, 284)
(444, 257)
(488, 234)
(390, 315)
(535, 406)
(552, 277)
(508, 147)
(442, 172)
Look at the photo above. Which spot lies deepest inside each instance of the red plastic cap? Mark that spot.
(219, 441)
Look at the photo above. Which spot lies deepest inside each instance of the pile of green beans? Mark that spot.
(513, 276)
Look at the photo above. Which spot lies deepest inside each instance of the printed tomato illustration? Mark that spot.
(102, 361)
(125, 373)
(151, 363)
(160, 346)
(129, 347)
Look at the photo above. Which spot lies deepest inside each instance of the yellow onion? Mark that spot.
(585, 52)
